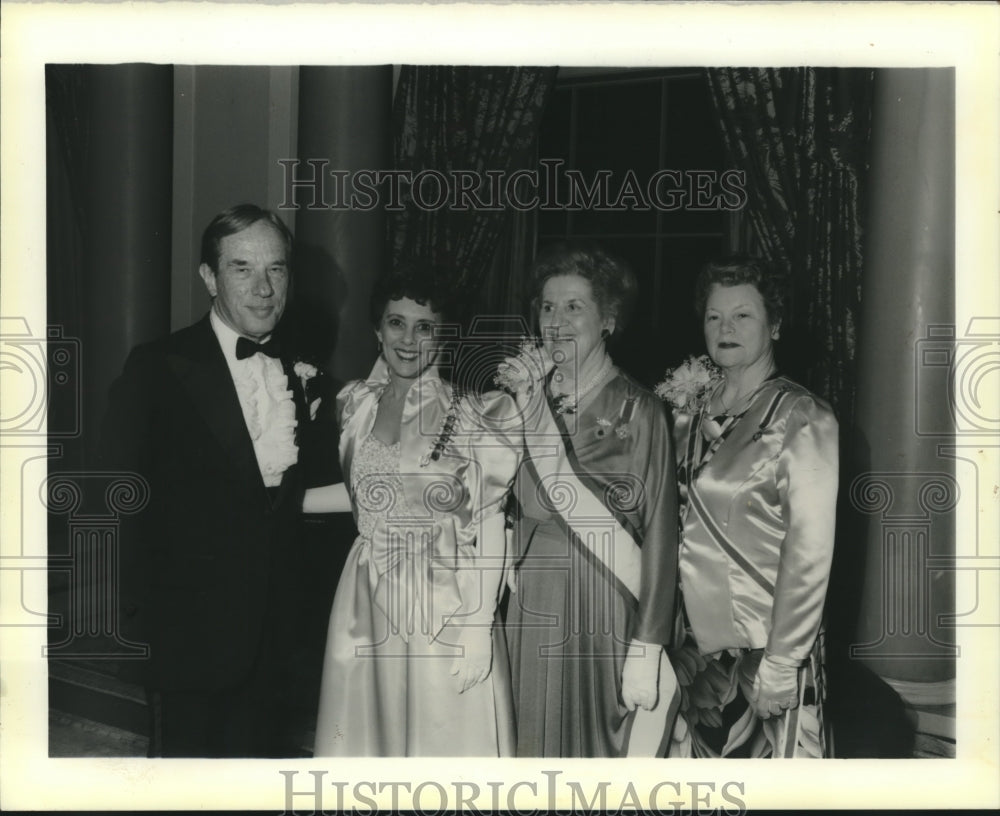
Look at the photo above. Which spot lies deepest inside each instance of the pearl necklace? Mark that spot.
(566, 404)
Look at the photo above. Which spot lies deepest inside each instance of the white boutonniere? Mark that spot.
(689, 386)
(305, 372)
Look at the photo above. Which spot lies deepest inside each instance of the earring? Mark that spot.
(605, 334)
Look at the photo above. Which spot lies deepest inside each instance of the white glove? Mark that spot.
(775, 688)
(472, 666)
(640, 675)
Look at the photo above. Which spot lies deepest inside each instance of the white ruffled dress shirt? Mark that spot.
(267, 404)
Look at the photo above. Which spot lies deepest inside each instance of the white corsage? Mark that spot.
(521, 373)
(305, 372)
(689, 386)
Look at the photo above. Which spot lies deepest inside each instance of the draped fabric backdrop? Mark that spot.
(801, 135)
(449, 118)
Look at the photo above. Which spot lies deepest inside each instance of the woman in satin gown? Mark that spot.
(595, 534)
(414, 665)
(758, 462)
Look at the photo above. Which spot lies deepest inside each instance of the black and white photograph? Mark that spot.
(426, 406)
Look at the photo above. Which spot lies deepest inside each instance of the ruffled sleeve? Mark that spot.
(807, 476)
(347, 400)
(350, 402)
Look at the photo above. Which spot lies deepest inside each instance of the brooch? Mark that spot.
(447, 431)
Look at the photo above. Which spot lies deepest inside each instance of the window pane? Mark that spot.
(645, 126)
(678, 331)
(664, 328)
(633, 350)
(693, 144)
(554, 141)
(618, 134)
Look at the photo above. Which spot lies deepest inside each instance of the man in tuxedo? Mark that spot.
(213, 417)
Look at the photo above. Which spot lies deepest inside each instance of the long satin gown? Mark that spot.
(571, 619)
(759, 493)
(411, 580)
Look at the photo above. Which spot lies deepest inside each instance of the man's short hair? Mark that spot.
(236, 219)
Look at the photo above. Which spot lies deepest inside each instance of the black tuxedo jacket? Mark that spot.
(209, 565)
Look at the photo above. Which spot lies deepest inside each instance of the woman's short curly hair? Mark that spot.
(419, 282)
(611, 279)
(736, 270)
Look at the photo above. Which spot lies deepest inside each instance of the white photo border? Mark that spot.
(638, 34)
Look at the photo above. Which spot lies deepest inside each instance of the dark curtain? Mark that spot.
(801, 135)
(479, 119)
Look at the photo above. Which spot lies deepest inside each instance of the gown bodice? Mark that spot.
(377, 484)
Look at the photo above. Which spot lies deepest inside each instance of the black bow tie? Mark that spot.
(248, 348)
